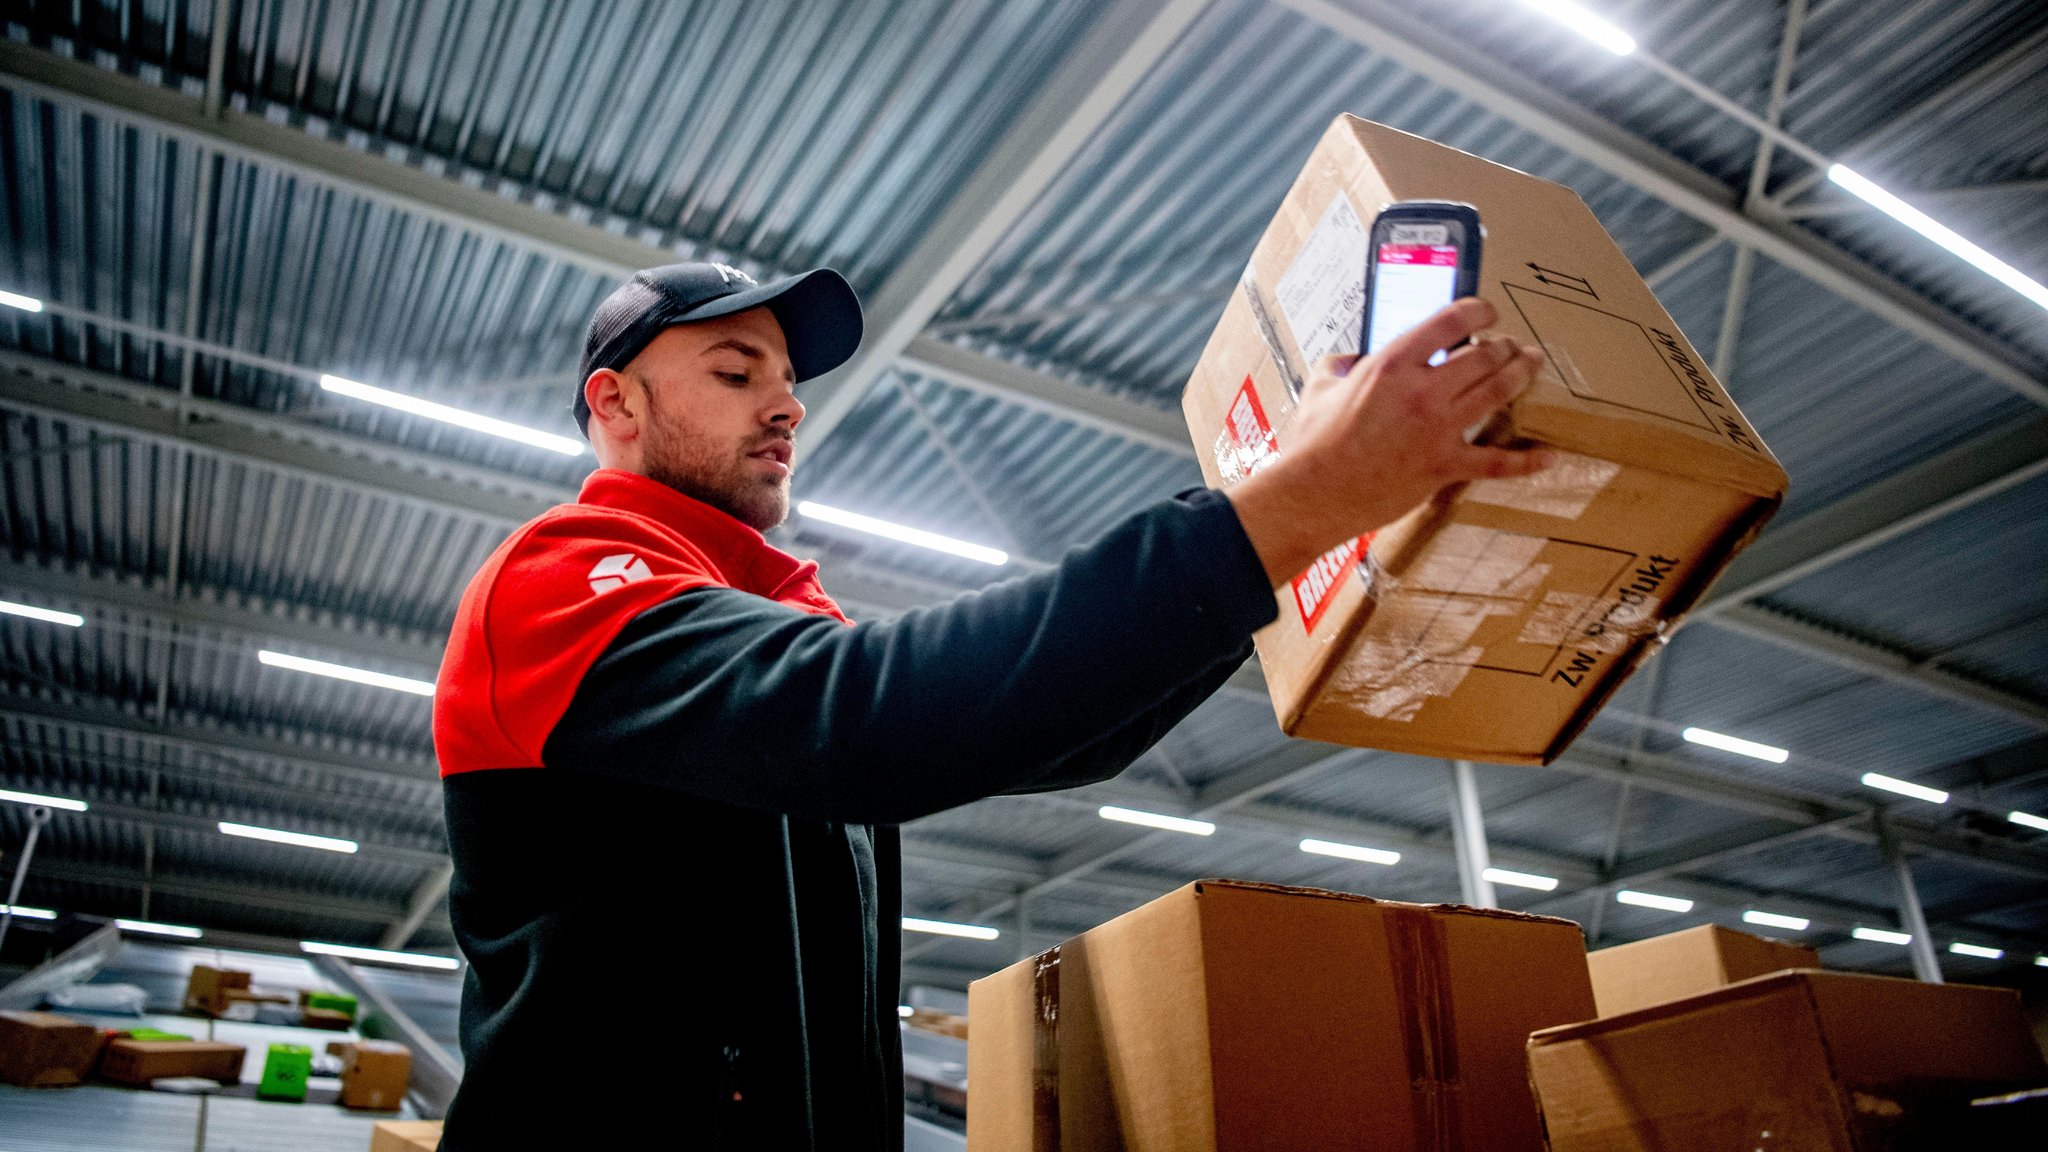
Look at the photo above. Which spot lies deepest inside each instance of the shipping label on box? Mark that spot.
(1491, 623)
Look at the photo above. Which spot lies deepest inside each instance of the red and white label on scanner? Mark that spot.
(1246, 445)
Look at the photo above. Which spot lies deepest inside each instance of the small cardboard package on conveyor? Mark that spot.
(1803, 1059)
(1491, 623)
(1233, 1015)
(1680, 964)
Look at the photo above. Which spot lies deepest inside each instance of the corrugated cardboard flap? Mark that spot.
(1353, 897)
(1548, 415)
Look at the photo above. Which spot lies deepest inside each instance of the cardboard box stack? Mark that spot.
(375, 1075)
(1238, 1015)
(1680, 964)
(138, 1062)
(1802, 1059)
(45, 1050)
(1491, 623)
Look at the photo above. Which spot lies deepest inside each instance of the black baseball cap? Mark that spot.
(819, 314)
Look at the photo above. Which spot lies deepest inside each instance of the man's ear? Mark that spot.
(612, 400)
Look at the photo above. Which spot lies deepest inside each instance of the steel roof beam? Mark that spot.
(192, 607)
(1942, 485)
(1013, 383)
(428, 896)
(1110, 57)
(229, 892)
(2019, 53)
(104, 717)
(487, 207)
(1882, 662)
(1405, 40)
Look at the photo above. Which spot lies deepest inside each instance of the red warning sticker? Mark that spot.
(1246, 445)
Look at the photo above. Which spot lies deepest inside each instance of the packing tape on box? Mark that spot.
(1422, 975)
(1564, 490)
(1263, 321)
(1419, 643)
(1045, 1052)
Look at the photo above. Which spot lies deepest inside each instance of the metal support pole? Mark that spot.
(37, 817)
(1912, 917)
(1468, 837)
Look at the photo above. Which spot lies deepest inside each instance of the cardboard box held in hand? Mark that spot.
(1491, 623)
(1233, 1015)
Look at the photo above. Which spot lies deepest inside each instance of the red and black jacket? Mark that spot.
(673, 772)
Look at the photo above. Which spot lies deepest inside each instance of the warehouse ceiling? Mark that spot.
(1044, 205)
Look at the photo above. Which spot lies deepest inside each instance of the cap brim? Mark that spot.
(818, 311)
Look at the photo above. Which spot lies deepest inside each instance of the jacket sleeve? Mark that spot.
(1066, 673)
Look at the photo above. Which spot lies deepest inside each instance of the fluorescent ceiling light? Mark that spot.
(297, 839)
(380, 956)
(2041, 961)
(2028, 819)
(1585, 23)
(948, 928)
(344, 672)
(45, 801)
(1351, 852)
(1940, 233)
(1905, 788)
(1773, 920)
(1881, 935)
(918, 536)
(427, 409)
(27, 913)
(1651, 900)
(17, 300)
(1155, 820)
(1516, 879)
(155, 929)
(1736, 745)
(905, 1011)
(46, 615)
(1977, 950)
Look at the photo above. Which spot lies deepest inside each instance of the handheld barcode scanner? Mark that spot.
(1423, 255)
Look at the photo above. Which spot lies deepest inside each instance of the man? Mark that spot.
(673, 770)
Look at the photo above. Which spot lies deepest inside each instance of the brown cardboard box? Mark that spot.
(1491, 623)
(1234, 1015)
(406, 1136)
(140, 1061)
(206, 990)
(1821, 1060)
(45, 1050)
(376, 1075)
(1679, 964)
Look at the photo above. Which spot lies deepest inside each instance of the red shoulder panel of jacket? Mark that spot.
(538, 615)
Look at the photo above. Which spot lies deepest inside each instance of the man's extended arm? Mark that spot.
(744, 701)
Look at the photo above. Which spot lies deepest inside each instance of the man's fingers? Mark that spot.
(1494, 392)
(1453, 325)
(1472, 363)
(1481, 463)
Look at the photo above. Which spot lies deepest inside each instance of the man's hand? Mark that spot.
(1374, 436)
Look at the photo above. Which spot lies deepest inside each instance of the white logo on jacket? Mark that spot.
(618, 571)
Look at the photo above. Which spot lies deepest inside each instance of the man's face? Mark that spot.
(721, 414)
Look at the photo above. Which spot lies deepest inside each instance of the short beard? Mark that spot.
(703, 470)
